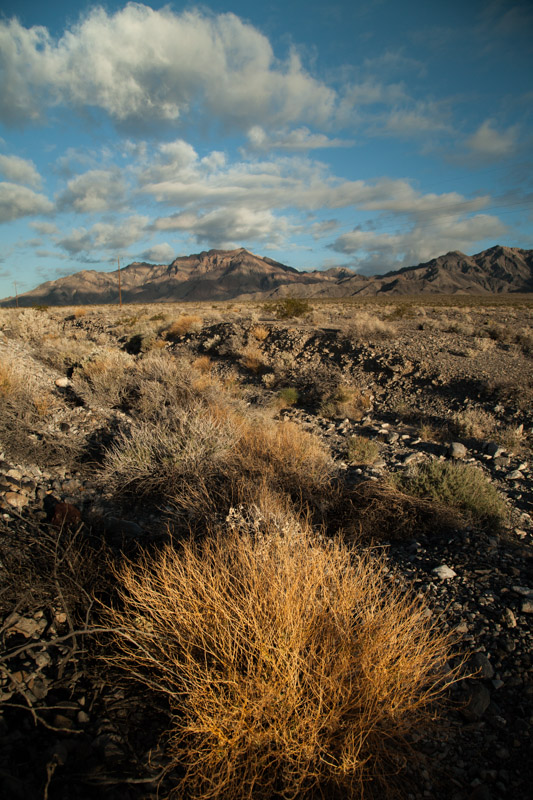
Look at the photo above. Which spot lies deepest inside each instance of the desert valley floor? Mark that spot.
(401, 426)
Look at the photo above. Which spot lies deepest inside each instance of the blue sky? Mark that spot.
(374, 134)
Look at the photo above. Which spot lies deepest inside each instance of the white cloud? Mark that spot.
(20, 170)
(96, 190)
(487, 141)
(378, 252)
(295, 139)
(18, 201)
(285, 182)
(45, 228)
(105, 236)
(228, 227)
(141, 64)
(159, 254)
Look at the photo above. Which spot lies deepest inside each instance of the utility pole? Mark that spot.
(119, 284)
(16, 294)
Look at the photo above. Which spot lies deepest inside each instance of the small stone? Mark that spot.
(63, 383)
(43, 659)
(462, 627)
(527, 607)
(83, 717)
(28, 627)
(509, 618)
(493, 449)
(411, 458)
(16, 500)
(478, 702)
(515, 475)
(482, 665)
(523, 591)
(457, 450)
(443, 572)
(392, 437)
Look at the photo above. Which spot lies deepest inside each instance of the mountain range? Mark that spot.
(241, 275)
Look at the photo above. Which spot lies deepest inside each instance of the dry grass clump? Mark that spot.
(363, 325)
(259, 332)
(292, 666)
(184, 324)
(517, 392)
(26, 403)
(475, 423)
(102, 379)
(29, 325)
(362, 450)
(252, 359)
(203, 364)
(346, 401)
(462, 487)
(204, 457)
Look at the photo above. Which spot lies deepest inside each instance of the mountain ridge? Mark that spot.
(241, 275)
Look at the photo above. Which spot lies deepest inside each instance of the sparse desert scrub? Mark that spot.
(475, 423)
(462, 487)
(29, 325)
(362, 450)
(286, 397)
(102, 379)
(363, 325)
(512, 391)
(252, 359)
(26, 402)
(292, 666)
(289, 307)
(346, 401)
(184, 324)
(259, 332)
(204, 457)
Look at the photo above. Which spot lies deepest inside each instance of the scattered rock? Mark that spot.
(457, 450)
(443, 572)
(16, 500)
(478, 702)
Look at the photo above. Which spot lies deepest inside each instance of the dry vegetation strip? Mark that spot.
(290, 664)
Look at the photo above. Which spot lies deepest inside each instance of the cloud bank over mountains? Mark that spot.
(150, 132)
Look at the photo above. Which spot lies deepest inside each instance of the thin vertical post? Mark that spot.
(119, 284)
(16, 294)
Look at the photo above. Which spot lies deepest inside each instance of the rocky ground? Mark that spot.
(433, 386)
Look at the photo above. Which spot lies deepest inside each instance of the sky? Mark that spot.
(373, 134)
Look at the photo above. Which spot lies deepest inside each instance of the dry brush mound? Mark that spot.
(292, 665)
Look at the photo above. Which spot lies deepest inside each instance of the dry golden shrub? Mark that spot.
(474, 422)
(364, 325)
(260, 333)
(184, 324)
(205, 457)
(202, 364)
(252, 359)
(102, 379)
(293, 667)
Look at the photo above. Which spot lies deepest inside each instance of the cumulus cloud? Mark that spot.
(108, 236)
(285, 182)
(19, 201)
(162, 253)
(489, 142)
(378, 252)
(92, 191)
(140, 63)
(295, 139)
(45, 228)
(20, 170)
(228, 227)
